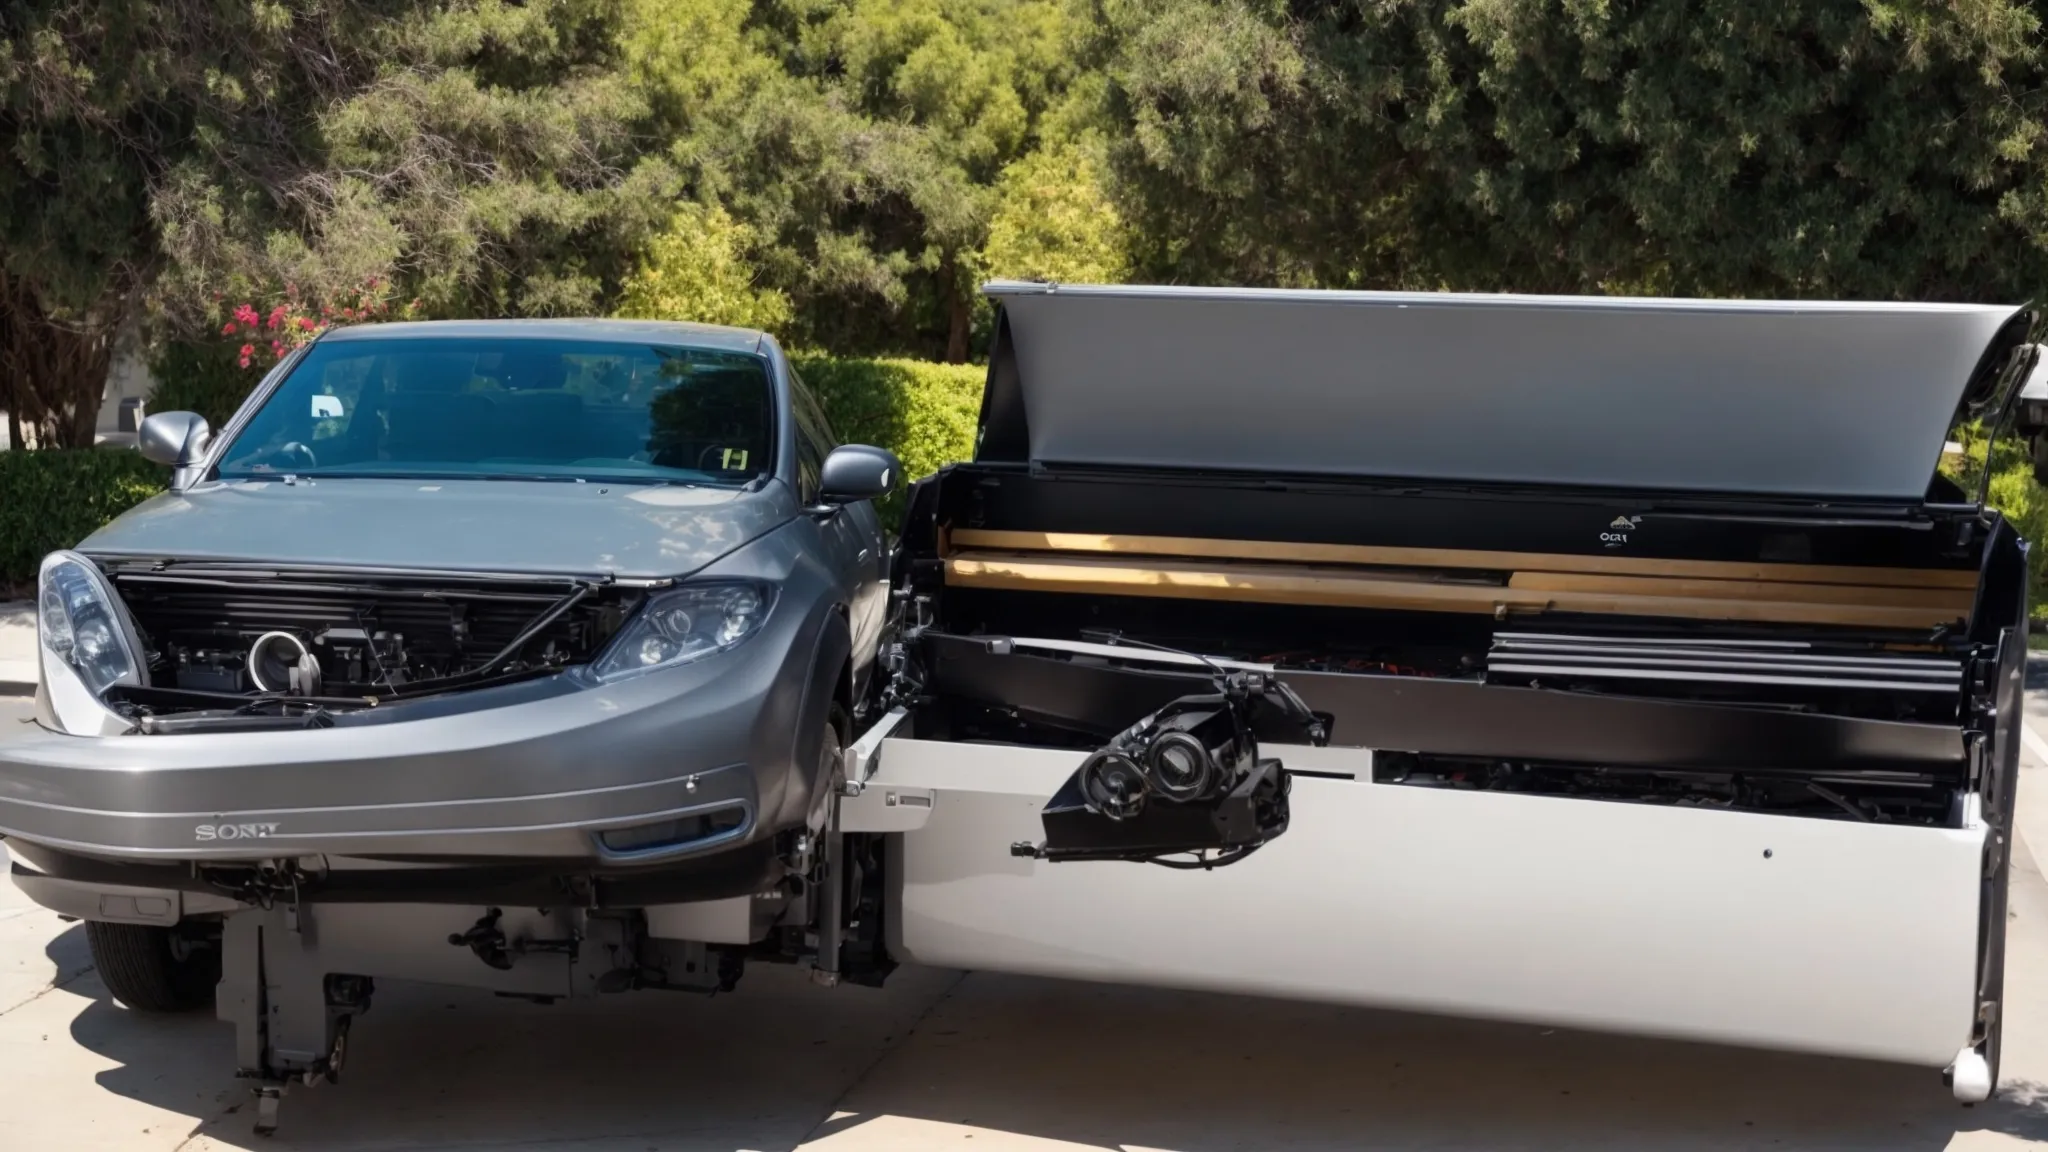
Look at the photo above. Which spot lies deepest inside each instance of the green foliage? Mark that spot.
(1054, 219)
(2015, 493)
(923, 412)
(488, 155)
(200, 377)
(862, 141)
(56, 498)
(698, 270)
(1716, 148)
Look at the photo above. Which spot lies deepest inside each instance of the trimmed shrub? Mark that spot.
(923, 412)
(2016, 494)
(54, 498)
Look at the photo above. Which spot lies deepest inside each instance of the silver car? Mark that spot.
(463, 617)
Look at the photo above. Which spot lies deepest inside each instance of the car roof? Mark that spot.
(710, 336)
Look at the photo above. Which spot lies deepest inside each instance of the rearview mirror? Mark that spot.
(178, 439)
(855, 472)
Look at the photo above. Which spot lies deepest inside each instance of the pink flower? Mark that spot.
(228, 329)
(305, 323)
(245, 314)
(247, 351)
(277, 316)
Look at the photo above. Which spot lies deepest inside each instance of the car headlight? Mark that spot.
(685, 624)
(78, 623)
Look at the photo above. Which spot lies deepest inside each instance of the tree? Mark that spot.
(1812, 148)
(183, 152)
(1053, 218)
(92, 100)
(698, 270)
(485, 156)
(862, 141)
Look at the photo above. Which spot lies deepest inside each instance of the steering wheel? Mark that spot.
(296, 454)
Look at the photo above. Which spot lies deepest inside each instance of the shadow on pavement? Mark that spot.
(433, 1067)
(1090, 1066)
(1113, 1068)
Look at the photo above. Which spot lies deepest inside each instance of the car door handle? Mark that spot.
(863, 553)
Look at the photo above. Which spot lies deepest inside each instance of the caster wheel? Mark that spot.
(1970, 1077)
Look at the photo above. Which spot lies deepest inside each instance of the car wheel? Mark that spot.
(152, 969)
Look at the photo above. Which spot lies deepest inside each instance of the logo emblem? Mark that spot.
(1617, 530)
(234, 831)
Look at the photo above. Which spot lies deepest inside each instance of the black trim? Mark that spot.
(1004, 431)
(1508, 520)
(1467, 718)
(1980, 394)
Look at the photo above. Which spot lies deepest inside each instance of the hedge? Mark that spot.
(2016, 494)
(923, 412)
(54, 499)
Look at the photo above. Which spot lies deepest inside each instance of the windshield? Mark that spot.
(513, 408)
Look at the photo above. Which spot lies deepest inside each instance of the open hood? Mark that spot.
(1812, 400)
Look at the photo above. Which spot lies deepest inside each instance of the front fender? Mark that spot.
(828, 667)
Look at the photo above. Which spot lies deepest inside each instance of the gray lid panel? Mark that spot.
(1825, 400)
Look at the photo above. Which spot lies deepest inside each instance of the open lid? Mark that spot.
(1811, 399)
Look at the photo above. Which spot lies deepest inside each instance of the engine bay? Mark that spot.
(298, 647)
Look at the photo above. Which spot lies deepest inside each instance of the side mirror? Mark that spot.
(856, 472)
(178, 439)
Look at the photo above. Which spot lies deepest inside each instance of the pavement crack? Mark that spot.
(61, 982)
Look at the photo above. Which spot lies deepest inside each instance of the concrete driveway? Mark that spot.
(979, 1063)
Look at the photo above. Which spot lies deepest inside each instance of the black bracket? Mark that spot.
(486, 940)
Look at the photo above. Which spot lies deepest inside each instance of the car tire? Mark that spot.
(146, 969)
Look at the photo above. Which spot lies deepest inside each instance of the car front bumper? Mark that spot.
(524, 772)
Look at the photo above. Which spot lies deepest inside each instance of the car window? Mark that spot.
(545, 408)
(814, 440)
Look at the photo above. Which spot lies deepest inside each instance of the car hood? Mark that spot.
(621, 530)
(1801, 399)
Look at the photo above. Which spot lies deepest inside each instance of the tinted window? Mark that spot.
(519, 407)
(813, 435)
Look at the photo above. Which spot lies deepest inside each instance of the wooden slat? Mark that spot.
(1955, 602)
(1191, 547)
(1273, 584)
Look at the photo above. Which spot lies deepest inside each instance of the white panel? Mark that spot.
(1847, 938)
